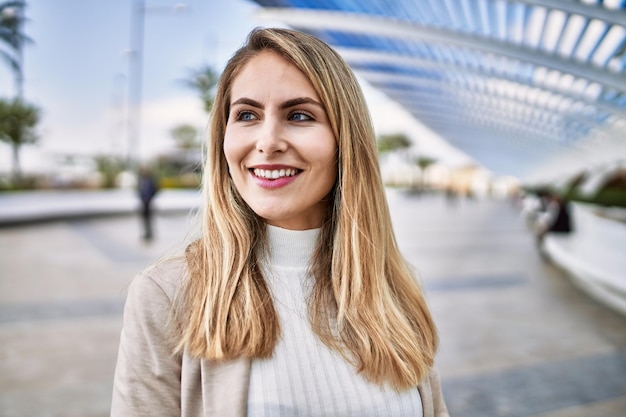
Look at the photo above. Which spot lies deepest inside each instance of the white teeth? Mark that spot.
(274, 174)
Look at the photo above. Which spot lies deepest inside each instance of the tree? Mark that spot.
(188, 158)
(17, 127)
(12, 36)
(393, 142)
(204, 80)
(424, 162)
(109, 167)
(186, 137)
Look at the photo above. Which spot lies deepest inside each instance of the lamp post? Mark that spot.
(135, 82)
(135, 75)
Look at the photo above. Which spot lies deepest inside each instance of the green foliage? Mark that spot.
(17, 122)
(609, 196)
(11, 23)
(393, 142)
(12, 37)
(424, 162)
(17, 127)
(186, 137)
(188, 180)
(26, 182)
(204, 80)
(606, 197)
(109, 167)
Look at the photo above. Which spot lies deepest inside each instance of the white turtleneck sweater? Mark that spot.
(304, 377)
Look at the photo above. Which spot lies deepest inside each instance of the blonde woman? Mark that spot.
(295, 301)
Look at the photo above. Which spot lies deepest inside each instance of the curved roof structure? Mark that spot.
(515, 84)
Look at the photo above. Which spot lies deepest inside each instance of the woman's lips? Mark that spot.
(274, 177)
(274, 173)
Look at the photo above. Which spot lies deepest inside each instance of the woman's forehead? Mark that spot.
(268, 75)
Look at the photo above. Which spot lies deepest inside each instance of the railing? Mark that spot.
(594, 254)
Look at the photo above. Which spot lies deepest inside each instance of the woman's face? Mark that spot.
(280, 148)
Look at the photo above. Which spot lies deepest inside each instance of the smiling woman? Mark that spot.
(295, 300)
(279, 145)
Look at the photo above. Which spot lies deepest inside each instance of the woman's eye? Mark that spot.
(245, 116)
(300, 117)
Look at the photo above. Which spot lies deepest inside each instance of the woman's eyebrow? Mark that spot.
(247, 101)
(300, 100)
(285, 105)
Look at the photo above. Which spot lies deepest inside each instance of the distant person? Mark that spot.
(295, 299)
(451, 196)
(147, 187)
(562, 219)
(555, 218)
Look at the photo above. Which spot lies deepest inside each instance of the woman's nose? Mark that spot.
(270, 139)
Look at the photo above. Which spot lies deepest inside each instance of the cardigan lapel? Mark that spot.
(433, 404)
(225, 387)
(426, 396)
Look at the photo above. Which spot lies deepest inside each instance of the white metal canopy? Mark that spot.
(512, 83)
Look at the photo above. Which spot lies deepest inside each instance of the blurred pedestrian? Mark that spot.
(147, 187)
(561, 219)
(555, 217)
(295, 300)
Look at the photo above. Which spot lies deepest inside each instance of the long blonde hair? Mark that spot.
(365, 301)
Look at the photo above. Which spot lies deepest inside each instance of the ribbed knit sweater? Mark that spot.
(304, 377)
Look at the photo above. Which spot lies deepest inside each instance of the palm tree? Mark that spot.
(186, 137)
(393, 142)
(11, 34)
(17, 127)
(109, 167)
(204, 80)
(424, 162)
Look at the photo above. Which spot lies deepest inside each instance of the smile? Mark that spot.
(274, 173)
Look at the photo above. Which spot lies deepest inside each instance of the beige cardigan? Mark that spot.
(150, 381)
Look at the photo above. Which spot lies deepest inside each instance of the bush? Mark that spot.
(607, 197)
(190, 180)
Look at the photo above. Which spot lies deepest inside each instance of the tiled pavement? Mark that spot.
(517, 339)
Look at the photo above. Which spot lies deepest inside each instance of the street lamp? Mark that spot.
(135, 74)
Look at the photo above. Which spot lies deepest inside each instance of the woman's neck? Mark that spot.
(293, 248)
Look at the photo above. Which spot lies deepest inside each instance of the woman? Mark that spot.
(295, 300)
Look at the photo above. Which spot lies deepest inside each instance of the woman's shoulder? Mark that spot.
(165, 276)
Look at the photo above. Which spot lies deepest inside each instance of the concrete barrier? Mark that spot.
(594, 255)
(39, 206)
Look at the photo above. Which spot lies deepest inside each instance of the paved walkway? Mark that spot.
(36, 206)
(517, 339)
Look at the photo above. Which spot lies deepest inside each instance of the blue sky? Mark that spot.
(76, 71)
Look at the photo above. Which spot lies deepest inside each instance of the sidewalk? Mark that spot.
(36, 206)
(517, 338)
